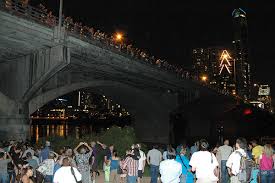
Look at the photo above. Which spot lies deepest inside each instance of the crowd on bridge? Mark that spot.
(115, 41)
(243, 162)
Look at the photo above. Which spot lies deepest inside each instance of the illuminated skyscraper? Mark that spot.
(215, 66)
(240, 45)
(227, 75)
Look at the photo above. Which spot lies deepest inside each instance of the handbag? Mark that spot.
(72, 170)
(216, 170)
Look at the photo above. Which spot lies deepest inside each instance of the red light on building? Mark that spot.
(247, 112)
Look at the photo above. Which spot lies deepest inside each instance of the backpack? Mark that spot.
(246, 166)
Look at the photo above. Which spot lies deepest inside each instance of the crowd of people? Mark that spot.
(91, 34)
(244, 162)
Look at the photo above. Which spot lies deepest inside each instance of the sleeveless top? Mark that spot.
(266, 163)
(114, 164)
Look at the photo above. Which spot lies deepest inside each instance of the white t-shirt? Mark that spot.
(225, 151)
(141, 159)
(205, 163)
(64, 175)
(170, 171)
(234, 161)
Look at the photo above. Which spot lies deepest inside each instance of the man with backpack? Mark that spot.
(238, 164)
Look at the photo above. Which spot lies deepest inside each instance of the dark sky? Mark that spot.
(171, 28)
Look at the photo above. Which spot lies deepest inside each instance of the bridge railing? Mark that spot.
(41, 15)
(29, 12)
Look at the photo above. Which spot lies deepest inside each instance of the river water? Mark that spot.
(46, 129)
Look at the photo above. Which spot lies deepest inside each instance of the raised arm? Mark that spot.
(87, 145)
(101, 144)
(75, 149)
(55, 154)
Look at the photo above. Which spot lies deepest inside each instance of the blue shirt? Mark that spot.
(184, 163)
(249, 154)
(56, 167)
(44, 154)
(33, 163)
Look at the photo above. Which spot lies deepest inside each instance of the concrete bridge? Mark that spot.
(39, 63)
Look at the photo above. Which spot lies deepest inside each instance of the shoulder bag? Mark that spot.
(72, 170)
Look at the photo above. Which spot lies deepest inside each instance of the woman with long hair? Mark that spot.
(26, 175)
(266, 164)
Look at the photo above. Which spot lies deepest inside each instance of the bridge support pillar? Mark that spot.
(152, 122)
(14, 119)
(14, 126)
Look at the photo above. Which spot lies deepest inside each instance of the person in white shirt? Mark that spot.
(141, 163)
(170, 170)
(234, 160)
(67, 173)
(205, 164)
(223, 155)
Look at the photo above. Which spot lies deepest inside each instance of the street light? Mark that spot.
(204, 78)
(118, 37)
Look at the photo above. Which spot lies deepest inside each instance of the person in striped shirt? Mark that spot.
(131, 165)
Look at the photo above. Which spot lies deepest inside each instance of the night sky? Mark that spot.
(170, 29)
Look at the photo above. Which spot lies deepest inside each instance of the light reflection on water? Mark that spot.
(61, 129)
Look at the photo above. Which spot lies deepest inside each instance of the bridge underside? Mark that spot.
(150, 111)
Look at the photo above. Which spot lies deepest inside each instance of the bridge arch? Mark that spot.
(150, 110)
